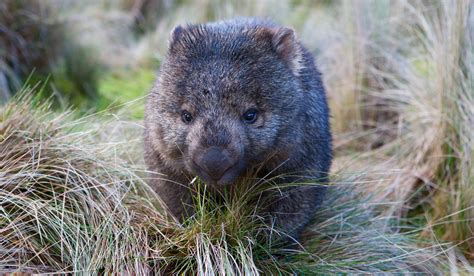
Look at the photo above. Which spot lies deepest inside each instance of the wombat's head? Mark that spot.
(227, 97)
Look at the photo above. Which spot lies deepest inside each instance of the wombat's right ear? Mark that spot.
(176, 35)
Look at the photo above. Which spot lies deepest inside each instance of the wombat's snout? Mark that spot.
(213, 162)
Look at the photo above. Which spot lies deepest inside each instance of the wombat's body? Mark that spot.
(229, 96)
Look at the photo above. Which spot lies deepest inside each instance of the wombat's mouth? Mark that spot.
(228, 177)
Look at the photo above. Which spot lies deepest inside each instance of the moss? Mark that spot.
(117, 89)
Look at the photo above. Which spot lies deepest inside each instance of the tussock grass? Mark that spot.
(62, 207)
(411, 108)
(69, 204)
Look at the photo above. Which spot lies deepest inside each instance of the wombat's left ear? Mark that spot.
(175, 37)
(287, 47)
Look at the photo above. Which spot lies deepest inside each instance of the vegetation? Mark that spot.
(70, 205)
(399, 77)
(35, 44)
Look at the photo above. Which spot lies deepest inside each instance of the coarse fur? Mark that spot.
(216, 72)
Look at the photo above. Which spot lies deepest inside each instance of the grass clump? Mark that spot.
(222, 237)
(61, 206)
(69, 204)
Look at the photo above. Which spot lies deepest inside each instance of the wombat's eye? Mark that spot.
(186, 116)
(250, 116)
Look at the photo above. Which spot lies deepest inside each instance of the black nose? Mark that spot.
(214, 161)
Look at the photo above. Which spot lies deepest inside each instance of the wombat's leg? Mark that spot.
(294, 209)
(177, 197)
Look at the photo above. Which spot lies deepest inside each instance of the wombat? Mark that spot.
(229, 96)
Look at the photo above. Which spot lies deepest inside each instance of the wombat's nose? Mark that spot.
(214, 161)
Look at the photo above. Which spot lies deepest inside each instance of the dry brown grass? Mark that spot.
(417, 108)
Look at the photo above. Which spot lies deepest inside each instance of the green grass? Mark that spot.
(116, 89)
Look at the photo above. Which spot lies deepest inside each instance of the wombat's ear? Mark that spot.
(175, 37)
(286, 45)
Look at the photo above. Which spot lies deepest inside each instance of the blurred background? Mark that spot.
(399, 78)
